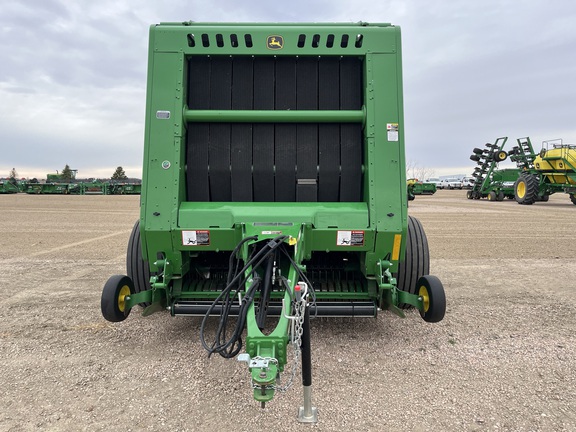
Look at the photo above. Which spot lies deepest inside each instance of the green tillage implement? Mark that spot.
(488, 183)
(274, 188)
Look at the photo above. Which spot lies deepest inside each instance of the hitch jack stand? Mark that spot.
(307, 413)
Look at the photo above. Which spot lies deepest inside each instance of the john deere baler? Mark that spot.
(274, 188)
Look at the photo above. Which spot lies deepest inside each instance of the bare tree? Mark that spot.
(413, 170)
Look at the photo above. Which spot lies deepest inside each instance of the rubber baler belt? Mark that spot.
(219, 144)
(263, 133)
(241, 134)
(350, 152)
(274, 162)
(328, 134)
(285, 134)
(307, 134)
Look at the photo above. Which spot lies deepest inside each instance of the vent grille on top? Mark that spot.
(315, 41)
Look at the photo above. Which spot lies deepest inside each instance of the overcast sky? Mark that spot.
(73, 74)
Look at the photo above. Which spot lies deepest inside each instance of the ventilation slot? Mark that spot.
(330, 41)
(315, 41)
(248, 40)
(191, 41)
(359, 39)
(234, 40)
(205, 40)
(219, 40)
(301, 41)
(344, 41)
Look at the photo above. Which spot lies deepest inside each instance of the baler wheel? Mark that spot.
(113, 301)
(416, 261)
(434, 298)
(136, 268)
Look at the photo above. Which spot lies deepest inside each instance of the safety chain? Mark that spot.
(297, 328)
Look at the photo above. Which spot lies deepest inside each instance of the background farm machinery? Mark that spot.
(488, 182)
(54, 185)
(537, 174)
(543, 173)
(274, 189)
(83, 188)
(416, 187)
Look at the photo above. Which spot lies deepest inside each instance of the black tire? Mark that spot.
(469, 194)
(526, 189)
(544, 198)
(492, 196)
(112, 301)
(416, 262)
(432, 291)
(478, 151)
(136, 268)
(500, 196)
(500, 156)
(573, 198)
(475, 158)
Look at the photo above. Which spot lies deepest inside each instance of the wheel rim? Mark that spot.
(521, 189)
(423, 292)
(124, 291)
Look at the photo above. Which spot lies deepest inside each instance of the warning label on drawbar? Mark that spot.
(350, 238)
(196, 238)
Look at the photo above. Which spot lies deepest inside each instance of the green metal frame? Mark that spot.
(165, 214)
(490, 182)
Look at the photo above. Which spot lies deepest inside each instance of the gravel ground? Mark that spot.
(502, 359)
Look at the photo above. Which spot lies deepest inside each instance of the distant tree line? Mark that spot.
(67, 174)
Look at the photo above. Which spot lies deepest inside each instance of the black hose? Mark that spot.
(230, 346)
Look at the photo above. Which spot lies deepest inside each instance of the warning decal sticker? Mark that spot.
(350, 238)
(196, 238)
(392, 129)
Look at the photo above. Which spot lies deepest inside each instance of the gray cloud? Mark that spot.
(73, 74)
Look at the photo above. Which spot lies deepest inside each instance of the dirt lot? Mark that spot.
(504, 358)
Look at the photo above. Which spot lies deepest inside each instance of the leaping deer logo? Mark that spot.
(275, 42)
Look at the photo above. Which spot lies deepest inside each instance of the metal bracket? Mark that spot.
(255, 362)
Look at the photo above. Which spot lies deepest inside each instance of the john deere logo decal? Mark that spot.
(275, 42)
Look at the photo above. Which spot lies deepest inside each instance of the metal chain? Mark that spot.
(296, 341)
